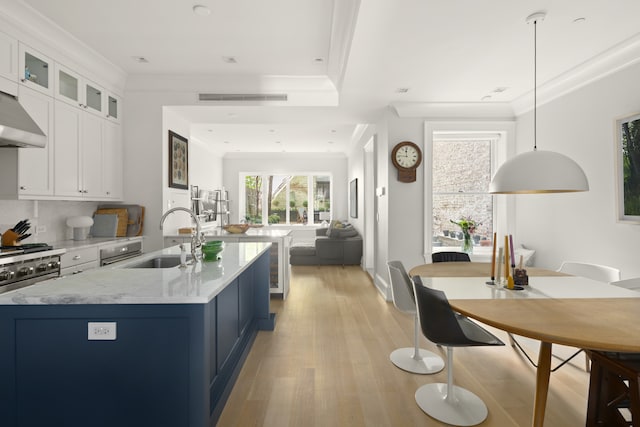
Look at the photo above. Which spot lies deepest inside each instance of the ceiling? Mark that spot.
(358, 55)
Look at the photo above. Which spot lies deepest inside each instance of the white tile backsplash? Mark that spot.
(50, 214)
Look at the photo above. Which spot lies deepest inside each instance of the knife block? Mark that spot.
(9, 238)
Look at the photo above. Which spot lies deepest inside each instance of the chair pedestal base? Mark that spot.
(462, 409)
(427, 362)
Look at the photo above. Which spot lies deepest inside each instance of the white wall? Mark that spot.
(582, 226)
(381, 153)
(234, 164)
(406, 207)
(149, 116)
(50, 214)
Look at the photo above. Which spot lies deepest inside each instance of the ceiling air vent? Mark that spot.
(242, 97)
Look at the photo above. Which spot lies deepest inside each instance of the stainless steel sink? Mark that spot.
(166, 261)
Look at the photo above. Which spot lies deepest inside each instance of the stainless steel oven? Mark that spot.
(120, 252)
(23, 266)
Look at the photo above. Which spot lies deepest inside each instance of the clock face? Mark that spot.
(407, 156)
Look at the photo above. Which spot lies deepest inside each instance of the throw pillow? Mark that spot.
(527, 256)
(349, 231)
(332, 226)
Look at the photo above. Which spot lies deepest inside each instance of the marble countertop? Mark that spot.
(117, 284)
(251, 232)
(90, 241)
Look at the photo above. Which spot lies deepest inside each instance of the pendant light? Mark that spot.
(538, 171)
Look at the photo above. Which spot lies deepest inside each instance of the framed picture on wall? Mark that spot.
(178, 161)
(353, 198)
(628, 168)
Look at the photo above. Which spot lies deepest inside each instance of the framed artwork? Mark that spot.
(353, 198)
(628, 168)
(178, 161)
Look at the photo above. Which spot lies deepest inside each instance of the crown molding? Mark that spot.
(454, 110)
(345, 17)
(41, 33)
(623, 55)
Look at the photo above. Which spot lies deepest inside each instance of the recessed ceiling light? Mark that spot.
(485, 98)
(201, 10)
(140, 59)
(230, 59)
(500, 89)
(579, 20)
(402, 90)
(318, 60)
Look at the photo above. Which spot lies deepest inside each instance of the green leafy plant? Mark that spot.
(467, 225)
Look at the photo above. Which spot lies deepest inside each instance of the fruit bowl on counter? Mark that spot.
(236, 228)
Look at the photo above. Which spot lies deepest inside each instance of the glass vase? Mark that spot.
(467, 242)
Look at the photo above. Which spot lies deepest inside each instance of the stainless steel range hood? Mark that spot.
(17, 128)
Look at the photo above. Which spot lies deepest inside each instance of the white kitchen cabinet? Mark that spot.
(94, 98)
(89, 156)
(78, 172)
(113, 108)
(79, 91)
(35, 70)
(27, 173)
(8, 57)
(35, 165)
(76, 261)
(91, 163)
(112, 161)
(68, 86)
(67, 151)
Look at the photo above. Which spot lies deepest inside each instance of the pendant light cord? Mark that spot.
(535, 86)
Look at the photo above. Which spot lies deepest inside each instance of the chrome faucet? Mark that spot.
(196, 238)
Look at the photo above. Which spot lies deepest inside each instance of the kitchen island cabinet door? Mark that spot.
(167, 365)
(75, 382)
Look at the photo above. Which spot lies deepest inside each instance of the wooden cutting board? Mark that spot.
(135, 220)
(123, 218)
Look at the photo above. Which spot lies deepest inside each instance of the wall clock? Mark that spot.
(406, 157)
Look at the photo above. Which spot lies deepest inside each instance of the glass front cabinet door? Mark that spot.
(67, 86)
(75, 90)
(36, 70)
(113, 107)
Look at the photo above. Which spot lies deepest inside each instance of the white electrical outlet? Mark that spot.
(102, 331)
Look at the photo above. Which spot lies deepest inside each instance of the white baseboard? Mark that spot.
(383, 287)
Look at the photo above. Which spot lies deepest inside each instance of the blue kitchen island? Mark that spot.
(128, 346)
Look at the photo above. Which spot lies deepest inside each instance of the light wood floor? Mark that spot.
(327, 364)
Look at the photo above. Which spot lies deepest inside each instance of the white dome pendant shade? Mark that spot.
(538, 171)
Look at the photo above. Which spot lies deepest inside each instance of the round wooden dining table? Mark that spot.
(554, 308)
